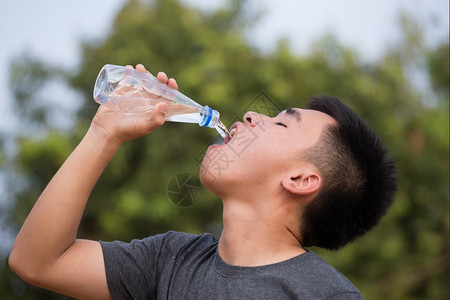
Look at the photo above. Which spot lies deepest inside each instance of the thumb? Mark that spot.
(161, 107)
(158, 115)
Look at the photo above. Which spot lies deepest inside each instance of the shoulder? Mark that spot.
(180, 242)
(322, 274)
(179, 238)
(169, 242)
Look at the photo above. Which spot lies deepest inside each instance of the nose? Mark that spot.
(252, 118)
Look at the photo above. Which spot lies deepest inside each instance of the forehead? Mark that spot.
(307, 115)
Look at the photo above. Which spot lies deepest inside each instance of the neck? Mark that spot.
(257, 235)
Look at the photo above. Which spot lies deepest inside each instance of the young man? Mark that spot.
(305, 177)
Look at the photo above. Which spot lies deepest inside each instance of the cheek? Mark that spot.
(217, 163)
(249, 152)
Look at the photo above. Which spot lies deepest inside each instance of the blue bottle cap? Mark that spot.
(207, 116)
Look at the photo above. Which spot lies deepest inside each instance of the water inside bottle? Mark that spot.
(137, 101)
(223, 131)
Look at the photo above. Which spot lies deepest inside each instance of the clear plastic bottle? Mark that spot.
(131, 92)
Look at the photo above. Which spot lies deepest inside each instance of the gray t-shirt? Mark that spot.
(177, 265)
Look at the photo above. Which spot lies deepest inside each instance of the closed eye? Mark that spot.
(281, 124)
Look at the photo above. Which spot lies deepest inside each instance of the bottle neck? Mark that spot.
(210, 117)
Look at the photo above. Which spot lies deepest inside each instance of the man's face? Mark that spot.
(262, 148)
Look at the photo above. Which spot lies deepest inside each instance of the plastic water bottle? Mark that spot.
(131, 92)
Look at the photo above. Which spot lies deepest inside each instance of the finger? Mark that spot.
(172, 83)
(141, 68)
(161, 107)
(158, 115)
(162, 77)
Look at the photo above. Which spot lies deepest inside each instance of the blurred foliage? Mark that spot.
(406, 257)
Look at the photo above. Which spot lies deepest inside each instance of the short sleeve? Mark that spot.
(132, 268)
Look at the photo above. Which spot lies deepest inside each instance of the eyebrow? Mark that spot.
(293, 112)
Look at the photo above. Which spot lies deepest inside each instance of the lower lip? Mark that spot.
(219, 145)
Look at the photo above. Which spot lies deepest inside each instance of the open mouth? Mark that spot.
(232, 132)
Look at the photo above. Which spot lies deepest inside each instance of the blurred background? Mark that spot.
(387, 59)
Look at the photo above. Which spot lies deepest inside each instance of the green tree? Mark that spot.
(406, 257)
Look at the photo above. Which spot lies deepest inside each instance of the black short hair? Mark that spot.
(358, 179)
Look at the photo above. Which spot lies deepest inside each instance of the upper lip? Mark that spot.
(233, 127)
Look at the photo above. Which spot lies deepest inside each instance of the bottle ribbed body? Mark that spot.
(131, 92)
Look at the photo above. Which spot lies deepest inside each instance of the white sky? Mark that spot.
(51, 29)
(369, 26)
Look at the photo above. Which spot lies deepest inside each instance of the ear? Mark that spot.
(302, 184)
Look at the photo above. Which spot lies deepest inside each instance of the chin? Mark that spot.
(213, 181)
(207, 178)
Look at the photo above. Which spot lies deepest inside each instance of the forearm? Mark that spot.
(52, 225)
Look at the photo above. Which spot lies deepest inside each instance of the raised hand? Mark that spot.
(117, 128)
